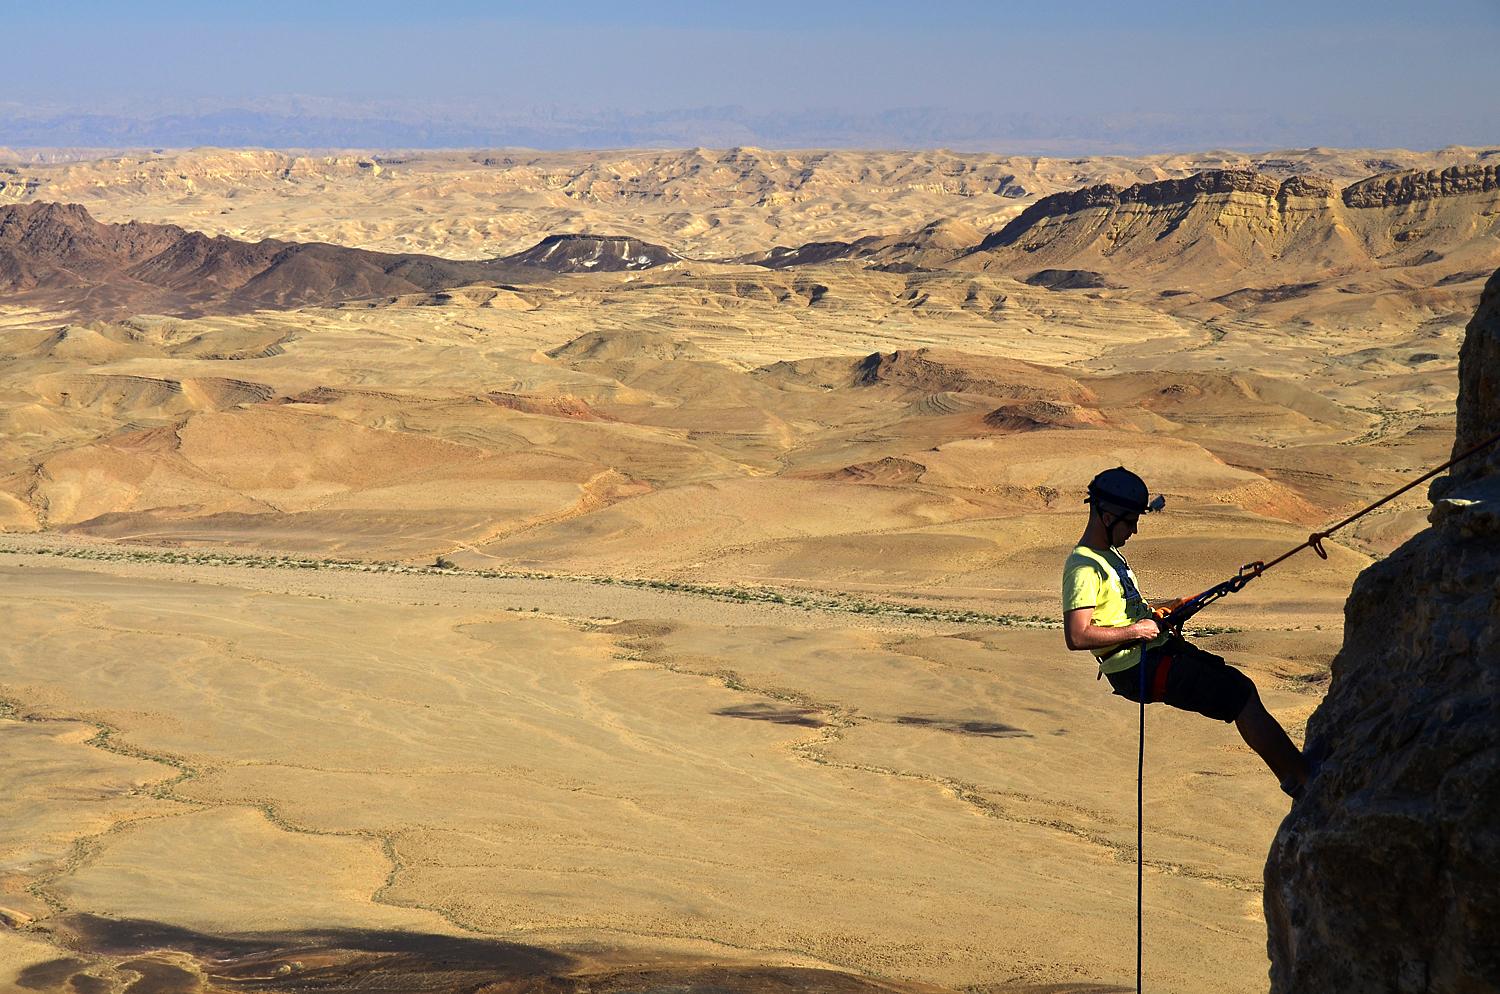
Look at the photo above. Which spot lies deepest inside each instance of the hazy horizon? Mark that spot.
(1167, 76)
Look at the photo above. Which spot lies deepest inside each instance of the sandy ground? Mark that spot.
(578, 767)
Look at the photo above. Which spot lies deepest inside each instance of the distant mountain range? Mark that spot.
(280, 125)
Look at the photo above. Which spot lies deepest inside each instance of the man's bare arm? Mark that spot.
(1080, 632)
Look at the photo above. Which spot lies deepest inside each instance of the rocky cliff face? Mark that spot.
(1385, 877)
(1388, 190)
(1404, 188)
(1228, 227)
(1165, 193)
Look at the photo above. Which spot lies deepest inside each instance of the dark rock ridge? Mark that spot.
(59, 255)
(46, 243)
(576, 253)
(812, 253)
(1405, 188)
(1385, 877)
(936, 242)
(1030, 415)
(1069, 279)
(935, 370)
(889, 470)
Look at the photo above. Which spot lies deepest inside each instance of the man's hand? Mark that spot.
(1160, 609)
(1081, 633)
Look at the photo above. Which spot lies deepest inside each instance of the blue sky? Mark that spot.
(1379, 73)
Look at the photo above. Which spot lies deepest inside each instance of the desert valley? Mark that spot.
(456, 571)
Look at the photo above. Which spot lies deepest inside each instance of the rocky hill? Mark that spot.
(940, 370)
(931, 246)
(1234, 224)
(59, 257)
(1383, 877)
(575, 253)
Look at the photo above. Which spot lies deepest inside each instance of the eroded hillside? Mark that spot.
(696, 202)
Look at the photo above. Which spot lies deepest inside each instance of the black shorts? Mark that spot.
(1181, 675)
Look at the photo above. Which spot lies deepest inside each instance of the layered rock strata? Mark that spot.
(1404, 188)
(1160, 194)
(1385, 877)
(1214, 227)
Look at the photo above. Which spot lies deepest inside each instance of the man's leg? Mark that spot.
(1265, 735)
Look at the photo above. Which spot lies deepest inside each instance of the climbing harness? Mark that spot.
(1170, 622)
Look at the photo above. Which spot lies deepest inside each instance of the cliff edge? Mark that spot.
(1385, 877)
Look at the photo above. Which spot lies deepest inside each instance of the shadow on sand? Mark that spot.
(144, 957)
(810, 718)
(960, 726)
(153, 958)
(784, 715)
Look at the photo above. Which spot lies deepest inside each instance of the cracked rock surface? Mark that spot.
(1386, 875)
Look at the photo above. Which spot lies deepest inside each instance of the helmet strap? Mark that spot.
(1109, 529)
(1115, 520)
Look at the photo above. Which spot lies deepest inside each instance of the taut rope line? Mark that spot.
(1315, 540)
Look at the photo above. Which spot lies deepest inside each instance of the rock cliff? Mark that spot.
(1395, 189)
(1385, 877)
(1171, 192)
(1228, 227)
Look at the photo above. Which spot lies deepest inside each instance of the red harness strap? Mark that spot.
(1159, 679)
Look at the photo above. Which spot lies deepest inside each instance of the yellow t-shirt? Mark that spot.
(1091, 578)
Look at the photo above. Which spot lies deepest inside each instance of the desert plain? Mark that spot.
(639, 570)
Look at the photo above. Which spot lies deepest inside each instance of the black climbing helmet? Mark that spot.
(1121, 491)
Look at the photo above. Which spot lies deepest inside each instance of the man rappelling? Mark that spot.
(1104, 612)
